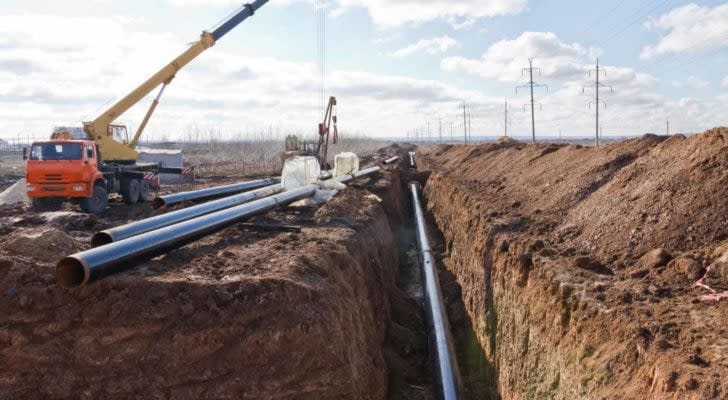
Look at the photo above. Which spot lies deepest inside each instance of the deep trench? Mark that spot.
(408, 355)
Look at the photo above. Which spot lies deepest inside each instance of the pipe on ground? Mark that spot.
(445, 367)
(216, 191)
(81, 268)
(149, 224)
(391, 160)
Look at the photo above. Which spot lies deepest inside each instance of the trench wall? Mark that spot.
(553, 315)
(302, 316)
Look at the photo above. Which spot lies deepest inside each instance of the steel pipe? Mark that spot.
(149, 224)
(216, 191)
(412, 166)
(447, 373)
(81, 268)
(356, 175)
(391, 160)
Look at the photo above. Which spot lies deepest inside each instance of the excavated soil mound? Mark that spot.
(44, 245)
(578, 264)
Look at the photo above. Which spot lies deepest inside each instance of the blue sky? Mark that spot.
(394, 65)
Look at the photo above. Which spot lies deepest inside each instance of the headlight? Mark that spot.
(78, 188)
(30, 187)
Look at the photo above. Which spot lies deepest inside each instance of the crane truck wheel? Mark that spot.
(131, 190)
(96, 204)
(146, 193)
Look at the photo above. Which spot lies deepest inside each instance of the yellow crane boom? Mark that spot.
(101, 128)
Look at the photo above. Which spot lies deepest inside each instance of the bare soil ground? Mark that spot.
(577, 266)
(244, 313)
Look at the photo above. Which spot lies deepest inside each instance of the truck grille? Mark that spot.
(53, 177)
(49, 188)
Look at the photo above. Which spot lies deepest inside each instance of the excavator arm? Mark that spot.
(99, 129)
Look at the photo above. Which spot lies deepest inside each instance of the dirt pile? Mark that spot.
(43, 245)
(15, 194)
(578, 265)
(302, 314)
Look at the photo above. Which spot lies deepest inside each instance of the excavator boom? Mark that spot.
(99, 130)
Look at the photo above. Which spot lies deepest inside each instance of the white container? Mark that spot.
(300, 171)
(345, 164)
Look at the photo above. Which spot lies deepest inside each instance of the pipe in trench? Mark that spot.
(149, 224)
(216, 191)
(412, 165)
(391, 160)
(445, 367)
(81, 268)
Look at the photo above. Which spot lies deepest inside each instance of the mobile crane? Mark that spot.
(87, 167)
(320, 149)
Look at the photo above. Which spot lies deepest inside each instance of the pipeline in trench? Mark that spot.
(471, 376)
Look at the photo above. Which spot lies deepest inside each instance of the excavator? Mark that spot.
(87, 165)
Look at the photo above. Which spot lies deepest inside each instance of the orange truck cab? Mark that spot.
(59, 170)
(65, 169)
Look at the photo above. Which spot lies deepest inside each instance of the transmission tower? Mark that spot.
(505, 117)
(470, 124)
(531, 84)
(440, 130)
(465, 123)
(597, 85)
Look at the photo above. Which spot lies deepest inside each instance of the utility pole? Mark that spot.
(531, 84)
(451, 131)
(465, 124)
(667, 125)
(597, 102)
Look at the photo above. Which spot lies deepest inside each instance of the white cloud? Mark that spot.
(62, 75)
(697, 83)
(689, 28)
(399, 12)
(633, 108)
(432, 46)
(505, 59)
(392, 13)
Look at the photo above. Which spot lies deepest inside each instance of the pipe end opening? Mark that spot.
(157, 203)
(71, 273)
(100, 239)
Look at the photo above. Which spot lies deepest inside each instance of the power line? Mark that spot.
(597, 85)
(320, 12)
(601, 17)
(531, 84)
(636, 20)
